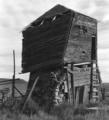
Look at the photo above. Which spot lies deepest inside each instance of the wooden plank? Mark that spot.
(83, 63)
(77, 97)
(59, 40)
(85, 20)
(41, 66)
(69, 85)
(86, 95)
(81, 76)
(44, 54)
(91, 81)
(72, 84)
(36, 61)
(78, 51)
(79, 44)
(29, 95)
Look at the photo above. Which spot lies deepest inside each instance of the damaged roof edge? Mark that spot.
(56, 10)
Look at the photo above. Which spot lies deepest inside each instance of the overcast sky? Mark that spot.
(16, 14)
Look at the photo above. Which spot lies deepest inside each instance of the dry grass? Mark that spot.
(62, 112)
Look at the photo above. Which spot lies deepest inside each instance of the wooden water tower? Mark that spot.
(63, 40)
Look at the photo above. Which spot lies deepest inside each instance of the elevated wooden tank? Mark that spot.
(59, 36)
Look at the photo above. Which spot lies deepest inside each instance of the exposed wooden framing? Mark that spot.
(71, 88)
(31, 91)
(71, 73)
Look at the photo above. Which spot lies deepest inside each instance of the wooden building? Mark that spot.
(63, 42)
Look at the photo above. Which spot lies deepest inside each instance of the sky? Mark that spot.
(16, 14)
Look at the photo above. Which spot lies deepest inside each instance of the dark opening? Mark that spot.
(81, 93)
(93, 53)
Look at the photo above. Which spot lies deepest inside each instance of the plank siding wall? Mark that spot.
(51, 40)
(46, 43)
(79, 45)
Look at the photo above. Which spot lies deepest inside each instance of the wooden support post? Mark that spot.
(91, 82)
(72, 84)
(69, 84)
(13, 81)
(93, 57)
(68, 87)
(31, 91)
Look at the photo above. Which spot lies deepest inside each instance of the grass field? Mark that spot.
(62, 112)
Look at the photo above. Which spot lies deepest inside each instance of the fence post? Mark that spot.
(13, 80)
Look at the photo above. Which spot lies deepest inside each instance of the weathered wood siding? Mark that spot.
(44, 45)
(60, 35)
(80, 40)
(81, 75)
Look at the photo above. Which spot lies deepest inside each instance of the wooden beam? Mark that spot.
(69, 85)
(72, 84)
(91, 81)
(83, 63)
(31, 91)
(18, 91)
(69, 70)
